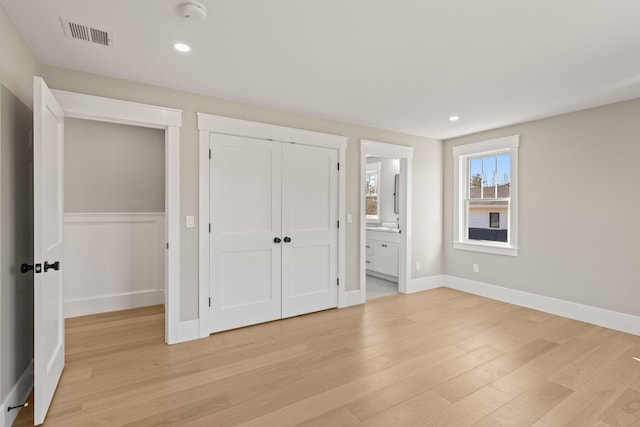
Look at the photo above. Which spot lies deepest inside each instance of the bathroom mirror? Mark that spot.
(396, 196)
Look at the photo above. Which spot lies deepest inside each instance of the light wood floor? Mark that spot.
(439, 357)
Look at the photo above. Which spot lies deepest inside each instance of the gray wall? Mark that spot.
(112, 167)
(16, 240)
(427, 176)
(579, 207)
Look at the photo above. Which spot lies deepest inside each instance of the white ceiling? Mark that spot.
(404, 65)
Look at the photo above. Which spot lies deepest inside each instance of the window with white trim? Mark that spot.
(372, 189)
(486, 196)
(494, 219)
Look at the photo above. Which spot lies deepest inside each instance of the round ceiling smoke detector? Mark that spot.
(193, 10)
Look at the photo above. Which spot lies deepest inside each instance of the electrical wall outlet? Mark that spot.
(349, 218)
(476, 268)
(191, 221)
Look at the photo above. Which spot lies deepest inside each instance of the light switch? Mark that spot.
(191, 221)
(349, 218)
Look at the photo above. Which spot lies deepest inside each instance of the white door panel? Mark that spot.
(48, 167)
(245, 219)
(247, 188)
(244, 286)
(308, 271)
(309, 175)
(309, 220)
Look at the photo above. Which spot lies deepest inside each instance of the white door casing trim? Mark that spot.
(405, 154)
(88, 107)
(238, 127)
(208, 124)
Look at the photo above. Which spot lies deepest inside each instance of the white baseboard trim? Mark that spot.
(425, 283)
(115, 302)
(351, 298)
(189, 330)
(17, 396)
(585, 313)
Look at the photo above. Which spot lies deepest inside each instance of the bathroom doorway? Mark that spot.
(385, 233)
(382, 216)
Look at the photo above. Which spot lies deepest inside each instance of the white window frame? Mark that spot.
(461, 155)
(374, 168)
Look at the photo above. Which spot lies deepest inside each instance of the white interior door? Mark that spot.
(48, 204)
(245, 213)
(309, 229)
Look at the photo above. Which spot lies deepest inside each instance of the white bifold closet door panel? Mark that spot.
(310, 221)
(273, 213)
(245, 220)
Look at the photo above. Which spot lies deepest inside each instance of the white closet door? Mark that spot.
(309, 220)
(48, 206)
(245, 219)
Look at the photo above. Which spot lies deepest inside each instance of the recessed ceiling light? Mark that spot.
(454, 118)
(181, 47)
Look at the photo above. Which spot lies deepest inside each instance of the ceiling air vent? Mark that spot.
(86, 33)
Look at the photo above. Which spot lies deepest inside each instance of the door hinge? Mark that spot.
(209, 227)
(338, 223)
(338, 281)
(209, 301)
(209, 153)
(338, 166)
(167, 245)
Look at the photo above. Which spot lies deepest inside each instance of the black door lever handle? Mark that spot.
(55, 266)
(287, 239)
(25, 268)
(277, 240)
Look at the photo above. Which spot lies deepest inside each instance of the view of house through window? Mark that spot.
(488, 197)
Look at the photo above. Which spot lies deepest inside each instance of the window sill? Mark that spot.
(490, 248)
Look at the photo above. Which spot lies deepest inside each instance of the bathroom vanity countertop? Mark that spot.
(384, 229)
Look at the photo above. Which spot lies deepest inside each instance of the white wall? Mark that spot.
(427, 177)
(113, 261)
(578, 232)
(17, 68)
